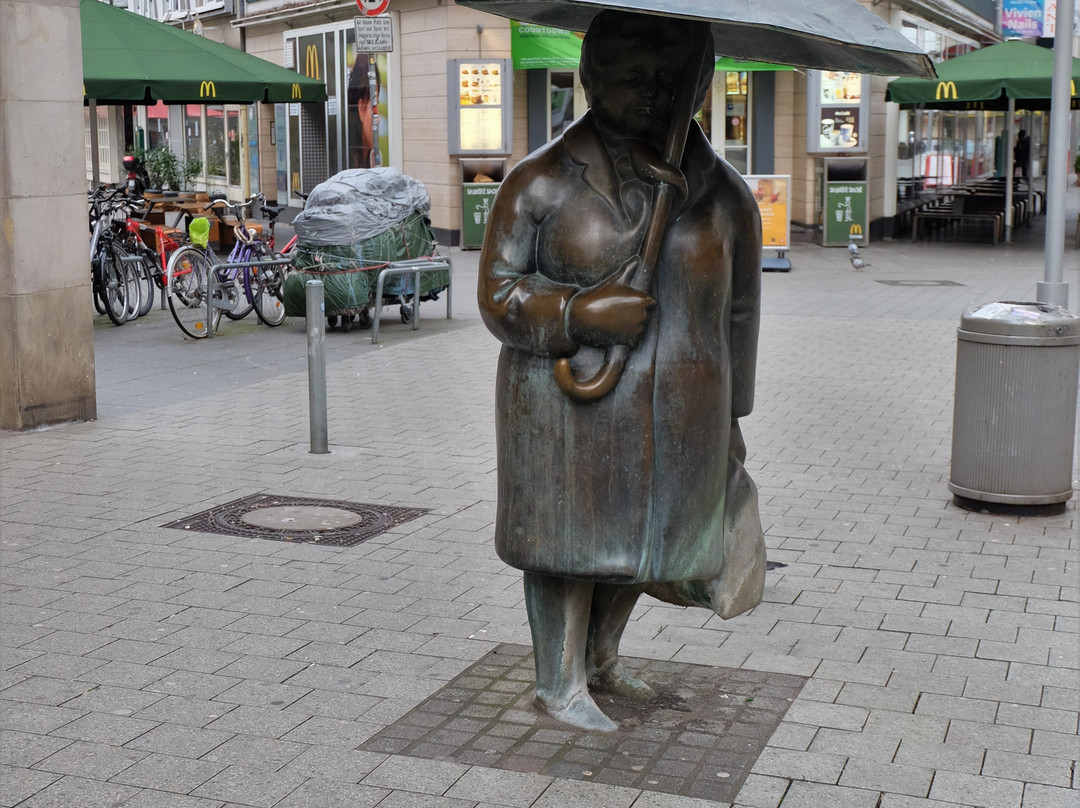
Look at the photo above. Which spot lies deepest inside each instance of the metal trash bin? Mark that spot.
(1014, 416)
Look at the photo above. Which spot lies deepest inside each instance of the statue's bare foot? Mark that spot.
(614, 678)
(580, 711)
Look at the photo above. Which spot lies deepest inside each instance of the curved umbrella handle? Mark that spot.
(601, 383)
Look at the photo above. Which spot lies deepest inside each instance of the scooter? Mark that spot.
(138, 180)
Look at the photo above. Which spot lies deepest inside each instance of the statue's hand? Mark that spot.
(612, 312)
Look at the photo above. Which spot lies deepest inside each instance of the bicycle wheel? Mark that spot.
(189, 273)
(121, 288)
(244, 301)
(97, 280)
(266, 285)
(145, 269)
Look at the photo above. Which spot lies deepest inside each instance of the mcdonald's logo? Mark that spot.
(856, 230)
(207, 90)
(296, 181)
(296, 91)
(311, 62)
(946, 90)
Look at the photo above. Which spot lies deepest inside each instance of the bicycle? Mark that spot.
(114, 278)
(201, 287)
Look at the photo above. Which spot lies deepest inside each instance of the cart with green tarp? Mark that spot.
(358, 225)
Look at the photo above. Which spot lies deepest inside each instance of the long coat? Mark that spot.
(645, 485)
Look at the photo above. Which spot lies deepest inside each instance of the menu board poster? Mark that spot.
(773, 195)
(839, 128)
(480, 83)
(840, 88)
(838, 112)
(481, 130)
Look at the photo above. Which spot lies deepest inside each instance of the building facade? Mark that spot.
(426, 123)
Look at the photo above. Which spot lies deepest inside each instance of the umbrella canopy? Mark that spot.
(826, 34)
(128, 58)
(987, 78)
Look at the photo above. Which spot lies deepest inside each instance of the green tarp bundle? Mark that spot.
(350, 273)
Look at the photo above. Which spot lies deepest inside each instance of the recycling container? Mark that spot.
(1014, 417)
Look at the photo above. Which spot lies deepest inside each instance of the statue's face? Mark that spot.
(634, 66)
(633, 97)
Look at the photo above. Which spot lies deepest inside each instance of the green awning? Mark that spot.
(986, 79)
(128, 58)
(540, 46)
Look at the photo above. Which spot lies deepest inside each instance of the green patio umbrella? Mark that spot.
(131, 59)
(987, 79)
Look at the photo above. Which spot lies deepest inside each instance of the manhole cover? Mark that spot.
(299, 519)
(921, 283)
(700, 736)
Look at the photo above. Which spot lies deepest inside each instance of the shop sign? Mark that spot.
(1022, 18)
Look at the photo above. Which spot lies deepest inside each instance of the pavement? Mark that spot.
(936, 647)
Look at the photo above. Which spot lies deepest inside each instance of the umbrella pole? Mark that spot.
(95, 167)
(682, 111)
(1052, 289)
(1010, 136)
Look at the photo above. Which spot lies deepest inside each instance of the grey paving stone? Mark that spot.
(816, 795)
(1028, 768)
(989, 792)
(172, 739)
(249, 786)
(893, 778)
(573, 792)
(1039, 796)
(333, 794)
(480, 784)
(408, 774)
(103, 728)
(93, 761)
(24, 749)
(78, 792)
(168, 773)
(147, 798)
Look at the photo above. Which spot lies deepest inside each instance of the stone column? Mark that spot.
(46, 311)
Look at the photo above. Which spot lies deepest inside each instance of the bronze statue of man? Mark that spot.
(642, 490)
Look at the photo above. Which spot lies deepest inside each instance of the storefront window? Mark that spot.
(727, 125)
(215, 142)
(193, 133)
(562, 101)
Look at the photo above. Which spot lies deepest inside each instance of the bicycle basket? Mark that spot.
(199, 231)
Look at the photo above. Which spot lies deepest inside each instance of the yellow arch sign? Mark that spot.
(946, 90)
(207, 90)
(311, 62)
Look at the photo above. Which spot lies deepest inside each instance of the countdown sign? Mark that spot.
(372, 8)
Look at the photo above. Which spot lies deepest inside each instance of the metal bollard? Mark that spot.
(316, 334)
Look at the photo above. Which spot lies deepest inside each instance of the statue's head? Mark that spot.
(631, 65)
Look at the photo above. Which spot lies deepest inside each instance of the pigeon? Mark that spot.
(858, 263)
(853, 249)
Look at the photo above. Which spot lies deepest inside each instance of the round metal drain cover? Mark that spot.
(302, 517)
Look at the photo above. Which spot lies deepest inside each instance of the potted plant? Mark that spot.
(168, 172)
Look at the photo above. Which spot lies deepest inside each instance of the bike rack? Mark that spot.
(413, 267)
(215, 297)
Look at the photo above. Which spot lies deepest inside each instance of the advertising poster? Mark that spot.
(1022, 18)
(480, 84)
(772, 193)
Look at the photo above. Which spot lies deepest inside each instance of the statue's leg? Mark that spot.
(611, 608)
(559, 620)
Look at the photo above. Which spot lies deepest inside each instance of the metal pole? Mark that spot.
(316, 333)
(1010, 167)
(1052, 289)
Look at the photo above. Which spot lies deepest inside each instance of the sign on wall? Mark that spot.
(846, 213)
(480, 100)
(838, 112)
